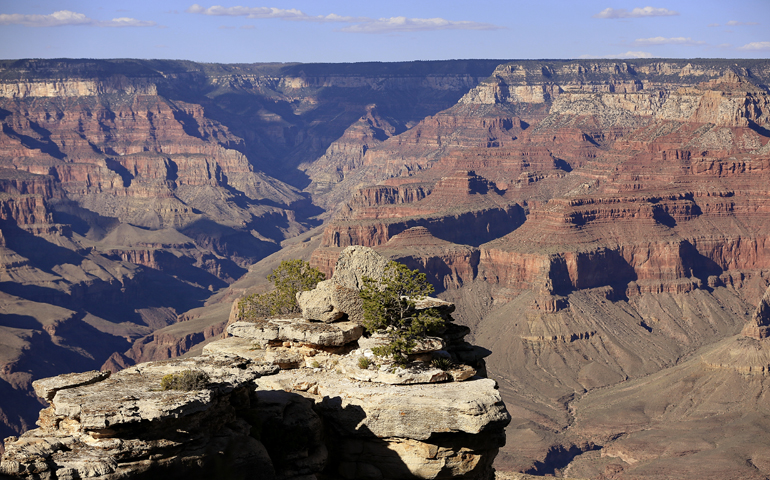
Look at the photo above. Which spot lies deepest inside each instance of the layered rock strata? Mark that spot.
(324, 414)
(131, 191)
(642, 238)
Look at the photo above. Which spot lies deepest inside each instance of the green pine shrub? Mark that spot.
(388, 305)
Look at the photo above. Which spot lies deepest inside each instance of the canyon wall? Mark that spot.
(132, 191)
(597, 222)
(640, 238)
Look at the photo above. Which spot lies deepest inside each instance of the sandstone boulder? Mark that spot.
(355, 263)
(133, 395)
(330, 302)
(126, 426)
(337, 297)
(297, 330)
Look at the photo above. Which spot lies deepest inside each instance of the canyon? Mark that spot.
(602, 226)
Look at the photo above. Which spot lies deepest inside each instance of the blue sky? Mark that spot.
(395, 30)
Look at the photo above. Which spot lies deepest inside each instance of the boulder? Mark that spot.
(126, 426)
(443, 307)
(355, 263)
(133, 395)
(330, 302)
(241, 347)
(338, 298)
(407, 458)
(297, 330)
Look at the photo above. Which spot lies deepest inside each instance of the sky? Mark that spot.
(248, 31)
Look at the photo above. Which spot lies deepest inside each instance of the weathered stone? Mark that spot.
(455, 333)
(261, 330)
(408, 458)
(373, 340)
(46, 388)
(242, 347)
(319, 303)
(355, 263)
(414, 373)
(89, 430)
(363, 409)
(292, 432)
(338, 297)
(330, 302)
(338, 334)
(443, 307)
(461, 373)
(133, 395)
(285, 358)
(297, 330)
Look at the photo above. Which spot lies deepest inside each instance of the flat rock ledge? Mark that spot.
(123, 425)
(263, 332)
(252, 417)
(407, 411)
(428, 431)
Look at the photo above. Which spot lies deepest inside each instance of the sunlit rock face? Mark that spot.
(289, 397)
(595, 222)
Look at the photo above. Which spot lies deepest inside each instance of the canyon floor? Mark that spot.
(602, 226)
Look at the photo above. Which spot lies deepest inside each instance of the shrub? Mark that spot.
(290, 277)
(186, 380)
(388, 305)
(363, 363)
(442, 363)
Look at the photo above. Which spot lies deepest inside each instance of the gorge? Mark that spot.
(602, 226)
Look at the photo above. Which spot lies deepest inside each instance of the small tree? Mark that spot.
(389, 306)
(290, 277)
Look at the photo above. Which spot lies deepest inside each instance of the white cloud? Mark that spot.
(403, 24)
(667, 41)
(756, 46)
(249, 12)
(628, 54)
(125, 22)
(358, 24)
(66, 17)
(635, 13)
(712, 25)
(736, 23)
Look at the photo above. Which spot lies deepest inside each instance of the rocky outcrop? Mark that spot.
(759, 325)
(325, 413)
(337, 297)
(126, 425)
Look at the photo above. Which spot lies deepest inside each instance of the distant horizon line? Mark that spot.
(643, 60)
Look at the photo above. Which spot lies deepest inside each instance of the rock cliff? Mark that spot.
(320, 415)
